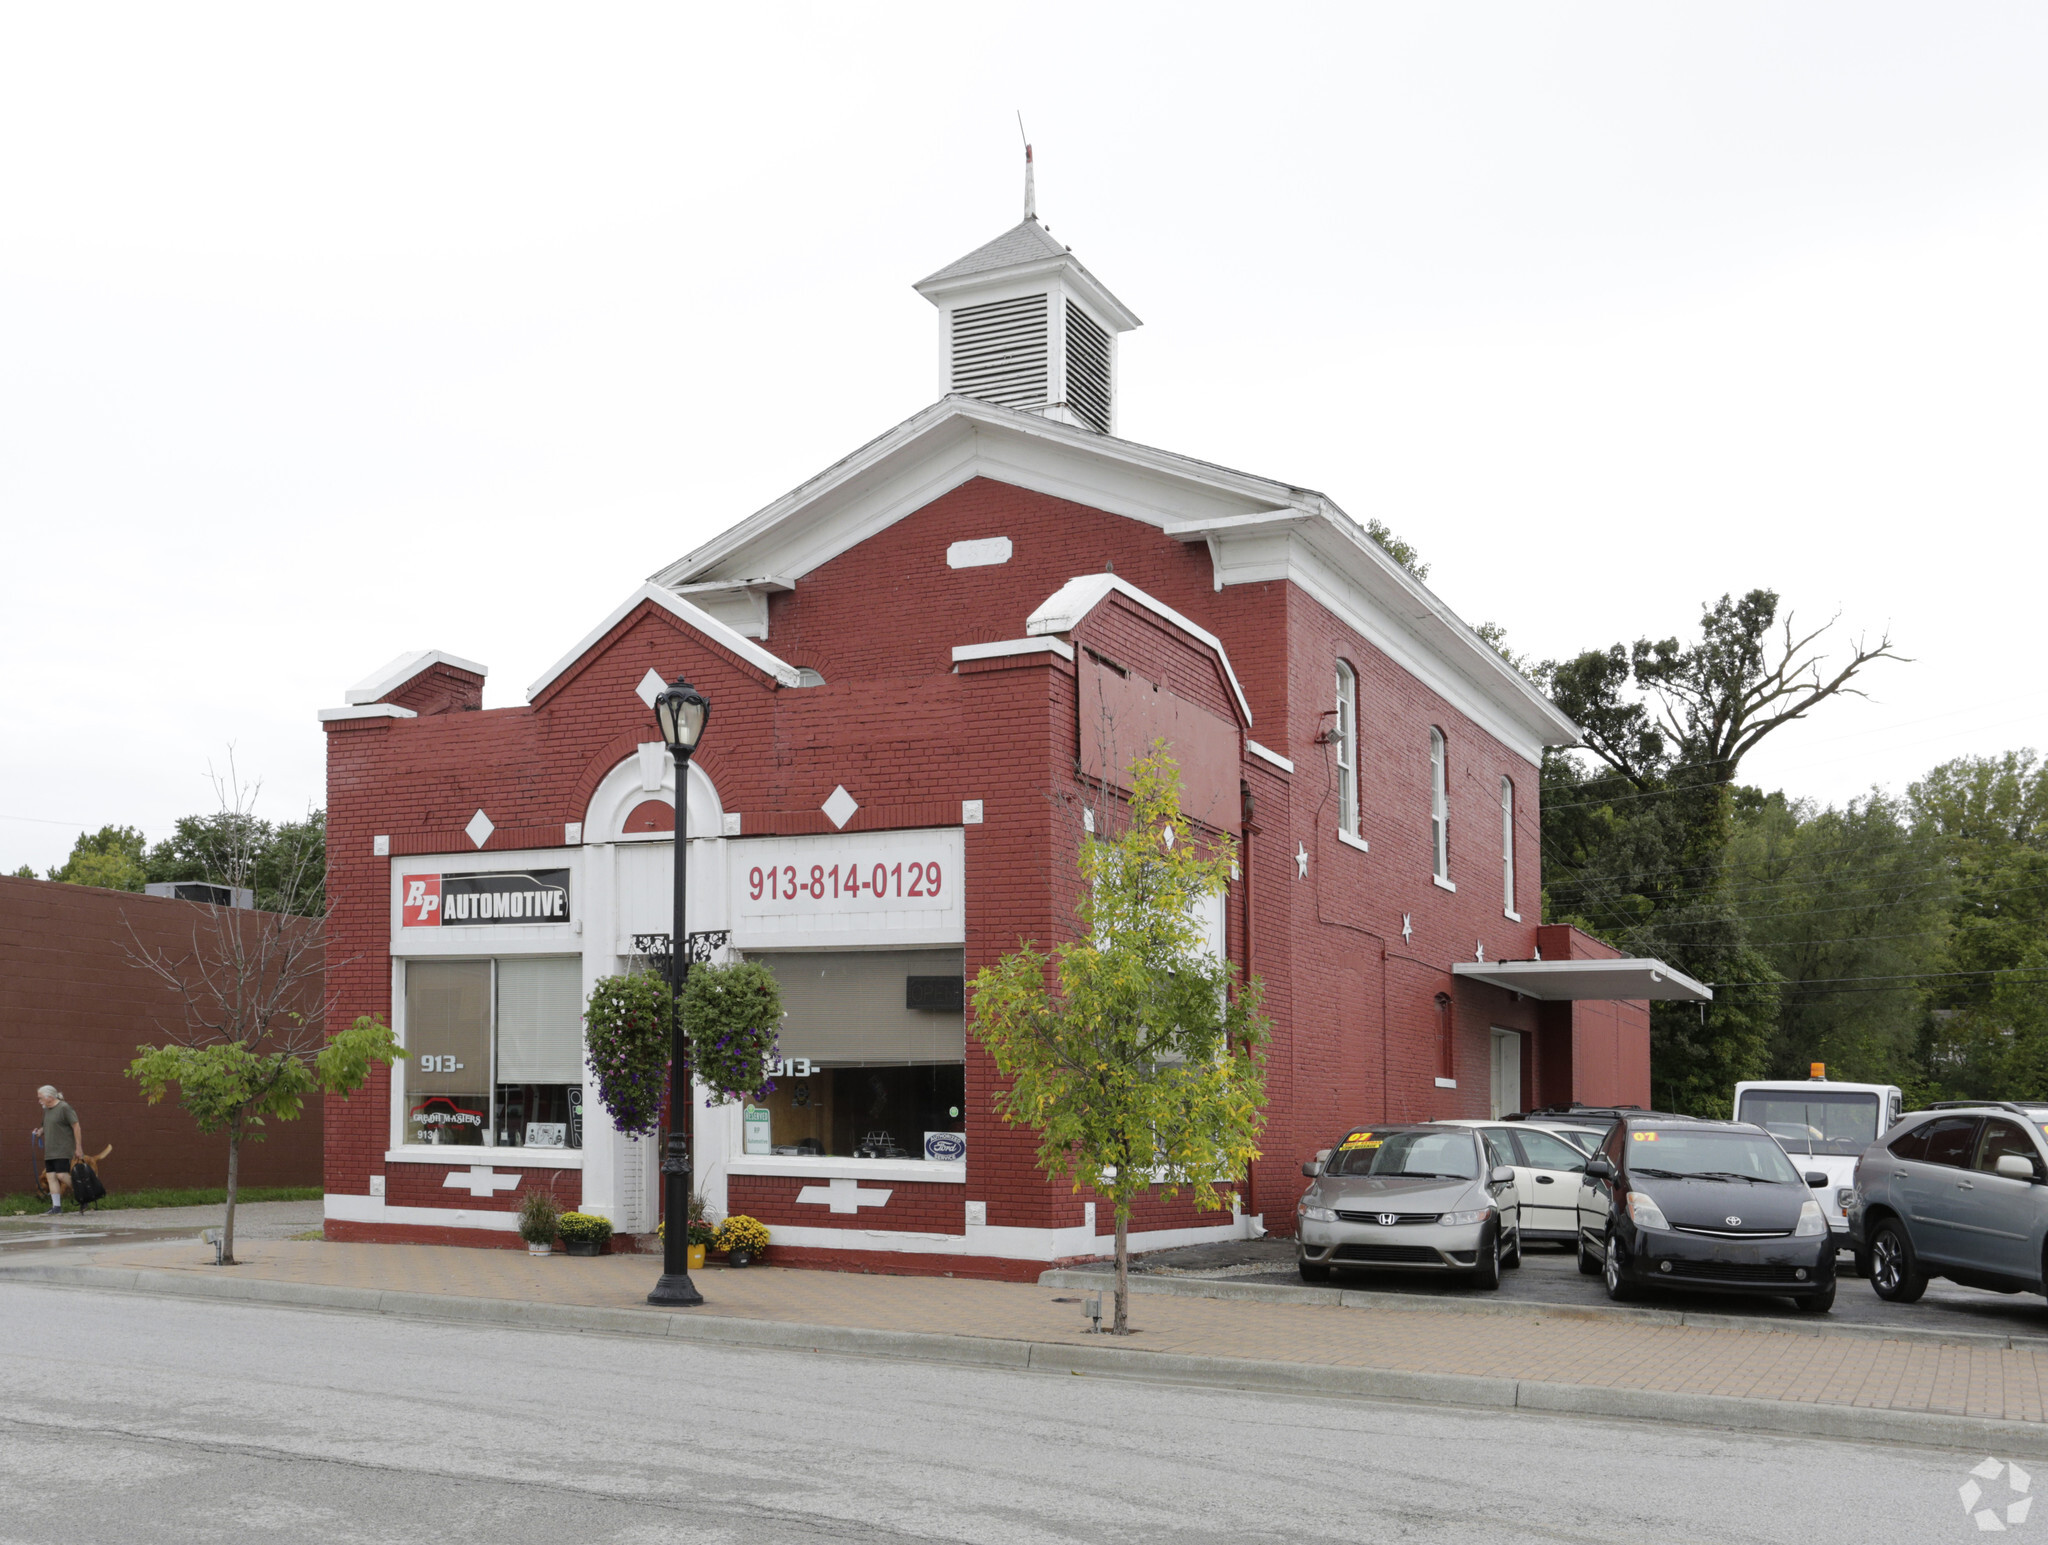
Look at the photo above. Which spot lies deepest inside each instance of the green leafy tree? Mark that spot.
(234, 1087)
(1142, 1064)
(284, 864)
(1401, 552)
(24, 873)
(249, 1043)
(110, 858)
(1636, 845)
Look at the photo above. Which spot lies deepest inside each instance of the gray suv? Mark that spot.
(1959, 1190)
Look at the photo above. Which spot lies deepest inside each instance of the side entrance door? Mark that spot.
(1507, 1072)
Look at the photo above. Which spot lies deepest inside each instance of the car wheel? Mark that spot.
(1588, 1267)
(1895, 1274)
(1618, 1287)
(1486, 1274)
(1818, 1303)
(1312, 1273)
(1513, 1258)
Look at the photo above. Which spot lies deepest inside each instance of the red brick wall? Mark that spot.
(1351, 997)
(73, 1010)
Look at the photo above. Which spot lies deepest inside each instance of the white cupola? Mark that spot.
(1022, 323)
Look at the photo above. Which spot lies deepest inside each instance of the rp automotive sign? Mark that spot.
(483, 900)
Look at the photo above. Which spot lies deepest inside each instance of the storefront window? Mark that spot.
(876, 1047)
(497, 1052)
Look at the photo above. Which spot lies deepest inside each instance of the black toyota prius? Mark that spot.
(1707, 1206)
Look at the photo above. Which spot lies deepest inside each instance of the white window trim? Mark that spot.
(1351, 841)
(816, 1167)
(1447, 1083)
(1447, 885)
(463, 1157)
(1513, 917)
(1347, 749)
(1507, 846)
(1440, 808)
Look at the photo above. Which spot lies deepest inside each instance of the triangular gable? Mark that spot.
(741, 648)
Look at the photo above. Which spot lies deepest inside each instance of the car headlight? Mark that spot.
(1476, 1215)
(1812, 1221)
(1310, 1214)
(1645, 1213)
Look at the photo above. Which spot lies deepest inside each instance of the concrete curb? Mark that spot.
(1927, 1429)
(1407, 1303)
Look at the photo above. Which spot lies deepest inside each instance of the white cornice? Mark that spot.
(1256, 529)
(366, 711)
(1062, 611)
(394, 674)
(1284, 763)
(726, 638)
(1010, 646)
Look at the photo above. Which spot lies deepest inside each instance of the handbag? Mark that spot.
(86, 1185)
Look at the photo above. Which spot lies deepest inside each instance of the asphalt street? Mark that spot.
(142, 1419)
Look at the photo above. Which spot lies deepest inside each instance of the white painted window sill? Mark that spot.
(491, 1158)
(1513, 917)
(1442, 884)
(809, 1167)
(1447, 1083)
(1348, 840)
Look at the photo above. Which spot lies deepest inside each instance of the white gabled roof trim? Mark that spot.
(366, 711)
(696, 617)
(1284, 763)
(394, 674)
(1063, 610)
(1011, 646)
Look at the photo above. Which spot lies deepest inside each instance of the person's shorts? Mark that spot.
(56, 1166)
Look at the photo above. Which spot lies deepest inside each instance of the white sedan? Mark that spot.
(1547, 1170)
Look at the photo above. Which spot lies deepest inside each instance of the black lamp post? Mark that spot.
(681, 711)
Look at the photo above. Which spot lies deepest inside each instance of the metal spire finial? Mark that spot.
(1030, 184)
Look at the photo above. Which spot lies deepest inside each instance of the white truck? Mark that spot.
(1822, 1125)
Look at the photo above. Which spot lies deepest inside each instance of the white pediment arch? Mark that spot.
(650, 774)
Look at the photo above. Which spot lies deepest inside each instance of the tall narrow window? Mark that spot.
(1347, 749)
(1439, 806)
(1507, 846)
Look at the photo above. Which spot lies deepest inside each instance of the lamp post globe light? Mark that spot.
(681, 711)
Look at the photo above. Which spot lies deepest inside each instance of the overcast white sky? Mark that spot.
(325, 335)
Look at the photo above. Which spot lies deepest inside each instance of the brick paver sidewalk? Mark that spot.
(1951, 1380)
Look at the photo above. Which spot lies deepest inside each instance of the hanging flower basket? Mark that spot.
(732, 1013)
(626, 1031)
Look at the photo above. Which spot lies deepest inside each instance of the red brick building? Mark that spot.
(923, 664)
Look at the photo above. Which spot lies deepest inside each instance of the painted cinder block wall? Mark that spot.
(74, 1008)
(1352, 998)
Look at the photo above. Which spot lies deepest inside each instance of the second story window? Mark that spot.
(1347, 749)
(1507, 846)
(1439, 806)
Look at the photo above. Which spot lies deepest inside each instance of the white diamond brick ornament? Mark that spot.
(651, 686)
(839, 807)
(479, 828)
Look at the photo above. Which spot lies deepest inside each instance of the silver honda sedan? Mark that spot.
(1409, 1198)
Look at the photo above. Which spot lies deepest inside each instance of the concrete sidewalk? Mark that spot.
(1957, 1395)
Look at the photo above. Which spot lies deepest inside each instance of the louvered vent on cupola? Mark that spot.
(1001, 351)
(1088, 373)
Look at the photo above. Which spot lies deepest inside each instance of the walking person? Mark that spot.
(63, 1140)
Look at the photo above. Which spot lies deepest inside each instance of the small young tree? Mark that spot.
(1143, 1066)
(250, 1043)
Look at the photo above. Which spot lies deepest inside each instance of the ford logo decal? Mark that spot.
(946, 1147)
(1733, 1222)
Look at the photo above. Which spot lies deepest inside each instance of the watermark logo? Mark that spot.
(1982, 1504)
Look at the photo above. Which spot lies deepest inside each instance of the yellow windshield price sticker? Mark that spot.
(1360, 1140)
(1644, 1137)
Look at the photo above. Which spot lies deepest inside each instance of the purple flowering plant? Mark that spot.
(625, 1030)
(733, 1013)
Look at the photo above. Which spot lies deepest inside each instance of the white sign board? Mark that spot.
(754, 1128)
(848, 890)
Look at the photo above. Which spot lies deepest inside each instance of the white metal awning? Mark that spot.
(1564, 980)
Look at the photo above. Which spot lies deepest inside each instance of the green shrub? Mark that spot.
(539, 1213)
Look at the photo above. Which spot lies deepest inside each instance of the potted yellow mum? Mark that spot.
(742, 1239)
